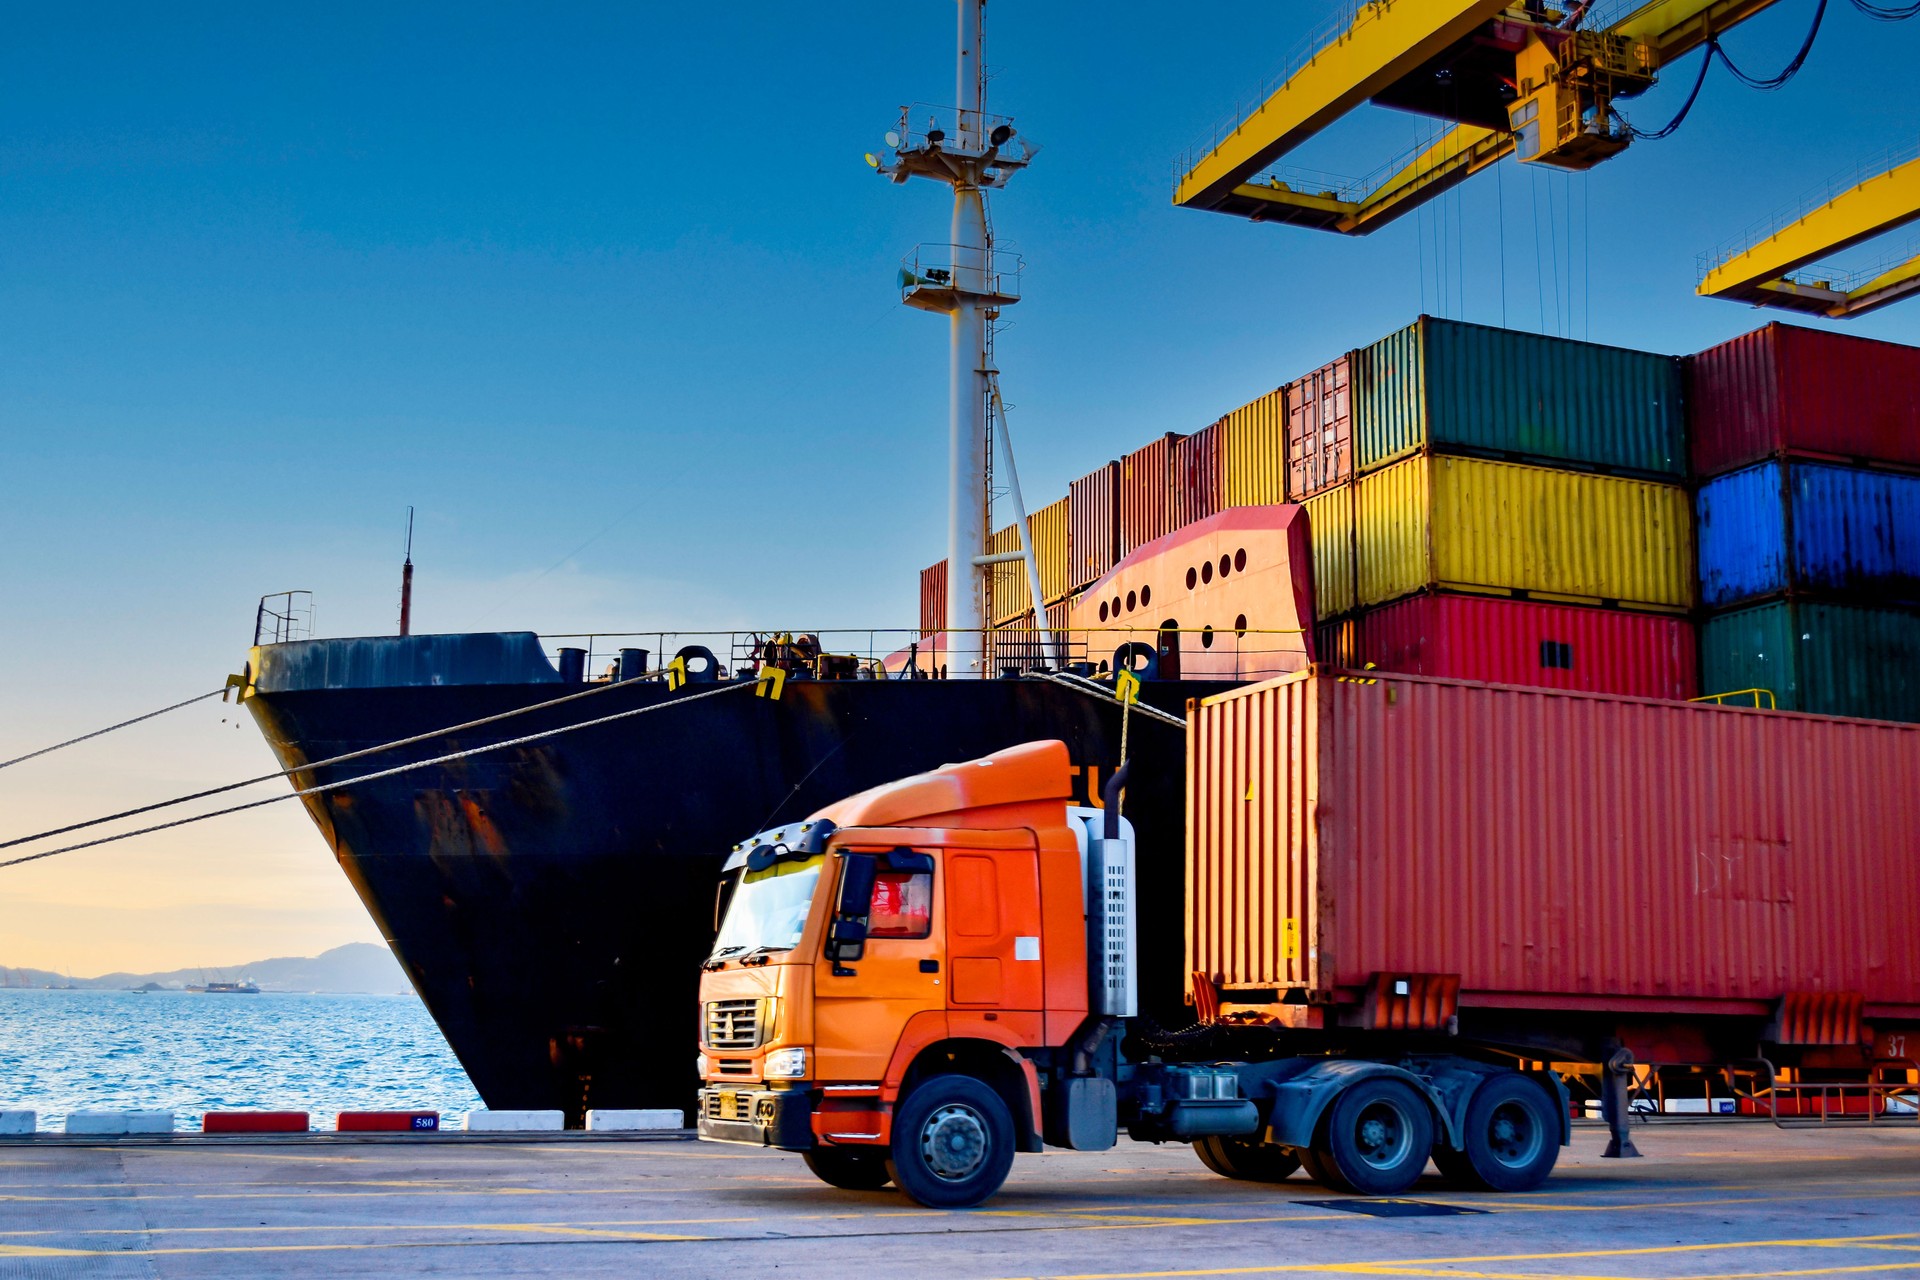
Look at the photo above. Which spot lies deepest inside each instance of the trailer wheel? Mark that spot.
(1512, 1132)
(1377, 1137)
(952, 1143)
(850, 1170)
(1321, 1170)
(1247, 1161)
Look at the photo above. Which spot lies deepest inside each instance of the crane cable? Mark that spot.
(1715, 50)
(360, 754)
(385, 773)
(199, 697)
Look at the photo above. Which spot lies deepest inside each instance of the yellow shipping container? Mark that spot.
(1010, 597)
(1048, 529)
(1469, 525)
(1049, 526)
(1330, 524)
(1254, 453)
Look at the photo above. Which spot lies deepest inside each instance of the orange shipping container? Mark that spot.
(1093, 530)
(1550, 850)
(1319, 431)
(1146, 493)
(933, 598)
(1196, 476)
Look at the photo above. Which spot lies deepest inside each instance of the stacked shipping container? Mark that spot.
(1512, 508)
(1497, 505)
(1809, 529)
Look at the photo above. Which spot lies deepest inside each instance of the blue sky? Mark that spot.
(607, 294)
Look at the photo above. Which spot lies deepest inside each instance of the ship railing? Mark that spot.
(1760, 699)
(283, 616)
(924, 126)
(883, 653)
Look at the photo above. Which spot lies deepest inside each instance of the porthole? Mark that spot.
(1206, 572)
(1116, 606)
(1193, 576)
(1130, 602)
(1240, 560)
(1146, 596)
(1103, 611)
(1206, 638)
(1240, 625)
(1226, 565)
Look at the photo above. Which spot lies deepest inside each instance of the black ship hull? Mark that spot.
(551, 902)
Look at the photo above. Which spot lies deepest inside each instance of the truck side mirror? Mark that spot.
(847, 932)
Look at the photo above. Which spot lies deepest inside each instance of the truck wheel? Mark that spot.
(1247, 1161)
(1320, 1169)
(952, 1143)
(1377, 1137)
(1512, 1132)
(855, 1170)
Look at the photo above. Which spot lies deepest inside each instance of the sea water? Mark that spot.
(64, 1051)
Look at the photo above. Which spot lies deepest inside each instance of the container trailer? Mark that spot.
(1414, 909)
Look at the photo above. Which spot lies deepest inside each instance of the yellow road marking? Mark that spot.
(1426, 1266)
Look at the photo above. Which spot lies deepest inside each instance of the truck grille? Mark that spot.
(735, 1024)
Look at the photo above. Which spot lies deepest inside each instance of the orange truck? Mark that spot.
(1414, 909)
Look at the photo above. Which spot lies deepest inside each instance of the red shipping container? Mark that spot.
(1319, 431)
(1787, 389)
(933, 599)
(1550, 851)
(1196, 476)
(1555, 646)
(1093, 526)
(1146, 493)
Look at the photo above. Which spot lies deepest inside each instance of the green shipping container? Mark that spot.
(1442, 386)
(1837, 660)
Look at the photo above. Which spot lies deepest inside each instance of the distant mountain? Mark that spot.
(356, 967)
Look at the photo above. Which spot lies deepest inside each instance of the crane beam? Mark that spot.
(1388, 41)
(1759, 274)
(1491, 67)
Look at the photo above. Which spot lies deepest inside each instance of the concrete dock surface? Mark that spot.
(1707, 1201)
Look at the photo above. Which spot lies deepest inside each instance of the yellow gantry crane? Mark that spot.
(1514, 78)
(1763, 274)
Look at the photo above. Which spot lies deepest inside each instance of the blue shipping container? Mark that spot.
(1806, 527)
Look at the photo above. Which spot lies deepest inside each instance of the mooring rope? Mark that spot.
(730, 687)
(360, 754)
(31, 755)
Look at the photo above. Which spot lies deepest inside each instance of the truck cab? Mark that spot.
(918, 948)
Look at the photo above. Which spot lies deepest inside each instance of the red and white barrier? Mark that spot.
(636, 1121)
(513, 1121)
(255, 1122)
(116, 1123)
(14, 1124)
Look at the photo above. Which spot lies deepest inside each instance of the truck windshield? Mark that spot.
(769, 909)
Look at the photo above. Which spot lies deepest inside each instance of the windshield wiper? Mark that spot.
(761, 953)
(719, 958)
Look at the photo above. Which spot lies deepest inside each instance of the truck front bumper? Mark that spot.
(757, 1117)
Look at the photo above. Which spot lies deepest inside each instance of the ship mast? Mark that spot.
(971, 152)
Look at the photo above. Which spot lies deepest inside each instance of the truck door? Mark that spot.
(992, 899)
(861, 1004)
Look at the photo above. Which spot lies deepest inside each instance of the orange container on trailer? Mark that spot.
(1550, 851)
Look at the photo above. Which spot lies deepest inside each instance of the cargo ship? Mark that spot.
(1454, 501)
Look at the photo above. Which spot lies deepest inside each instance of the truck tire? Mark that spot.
(850, 1170)
(1512, 1131)
(1376, 1137)
(952, 1143)
(1247, 1161)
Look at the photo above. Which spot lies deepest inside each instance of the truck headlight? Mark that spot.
(786, 1064)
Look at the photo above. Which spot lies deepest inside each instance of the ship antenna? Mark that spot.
(967, 280)
(406, 582)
